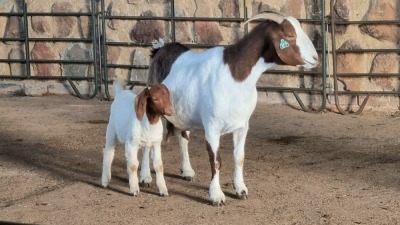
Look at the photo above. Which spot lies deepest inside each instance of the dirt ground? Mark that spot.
(300, 168)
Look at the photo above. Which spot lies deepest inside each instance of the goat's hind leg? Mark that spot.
(216, 194)
(158, 167)
(108, 156)
(145, 174)
(239, 139)
(131, 152)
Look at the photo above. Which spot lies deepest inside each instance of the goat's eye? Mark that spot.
(290, 37)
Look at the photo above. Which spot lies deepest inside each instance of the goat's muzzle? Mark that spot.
(169, 111)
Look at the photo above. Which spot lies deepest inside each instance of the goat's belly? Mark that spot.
(185, 124)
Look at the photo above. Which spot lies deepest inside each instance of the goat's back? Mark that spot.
(162, 60)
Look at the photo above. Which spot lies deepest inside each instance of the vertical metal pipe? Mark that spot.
(26, 37)
(324, 55)
(95, 47)
(334, 69)
(335, 79)
(103, 50)
(246, 26)
(95, 63)
(173, 20)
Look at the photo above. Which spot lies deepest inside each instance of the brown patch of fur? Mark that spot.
(185, 135)
(155, 102)
(215, 164)
(171, 132)
(262, 41)
(163, 59)
(161, 169)
(141, 103)
(133, 169)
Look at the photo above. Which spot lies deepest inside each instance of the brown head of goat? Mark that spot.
(155, 102)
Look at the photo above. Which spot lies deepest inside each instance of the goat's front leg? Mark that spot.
(239, 139)
(131, 151)
(145, 174)
(108, 156)
(187, 171)
(158, 167)
(216, 194)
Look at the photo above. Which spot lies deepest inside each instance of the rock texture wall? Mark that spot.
(365, 36)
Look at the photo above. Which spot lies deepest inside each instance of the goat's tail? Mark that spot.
(117, 86)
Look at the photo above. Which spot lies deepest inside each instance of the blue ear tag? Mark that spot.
(283, 44)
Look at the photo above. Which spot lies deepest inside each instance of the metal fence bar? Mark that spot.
(100, 45)
(172, 19)
(95, 55)
(26, 40)
(322, 73)
(336, 75)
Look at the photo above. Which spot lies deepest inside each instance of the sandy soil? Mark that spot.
(300, 168)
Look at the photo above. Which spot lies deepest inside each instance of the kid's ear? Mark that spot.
(141, 103)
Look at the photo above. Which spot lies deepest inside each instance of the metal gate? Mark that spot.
(99, 42)
(172, 19)
(25, 41)
(336, 76)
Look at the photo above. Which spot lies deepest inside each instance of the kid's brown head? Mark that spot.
(155, 102)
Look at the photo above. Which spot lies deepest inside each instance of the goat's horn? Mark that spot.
(268, 15)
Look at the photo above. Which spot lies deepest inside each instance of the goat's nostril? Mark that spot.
(170, 111)
(315, 57)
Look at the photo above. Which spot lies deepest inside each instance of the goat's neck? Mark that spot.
(152, 115)
(247, 56)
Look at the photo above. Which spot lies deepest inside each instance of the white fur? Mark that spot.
(306, 47)
(124, 126)
(212, 100)
(205, 96)
(157, 43)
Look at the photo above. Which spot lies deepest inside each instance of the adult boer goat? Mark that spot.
(215, 90)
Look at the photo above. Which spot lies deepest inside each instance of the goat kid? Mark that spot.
(215, 90)
(135, 121)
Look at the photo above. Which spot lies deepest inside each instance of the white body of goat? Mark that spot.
(125, 126)
(215, 90)
(209, 91)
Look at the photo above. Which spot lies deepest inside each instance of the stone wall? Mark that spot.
(205, 32)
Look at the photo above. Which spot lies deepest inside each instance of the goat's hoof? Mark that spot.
(188, 175)
(188, 178)
(218, 203)
(242, 195)
(241, 192)
(134, 193)
(164, 194)
(144, 184)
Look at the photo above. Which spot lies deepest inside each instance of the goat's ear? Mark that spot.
(141, 103)
(284, 38)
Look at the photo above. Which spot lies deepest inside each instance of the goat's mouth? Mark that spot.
(169, 112)
(309, 64)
